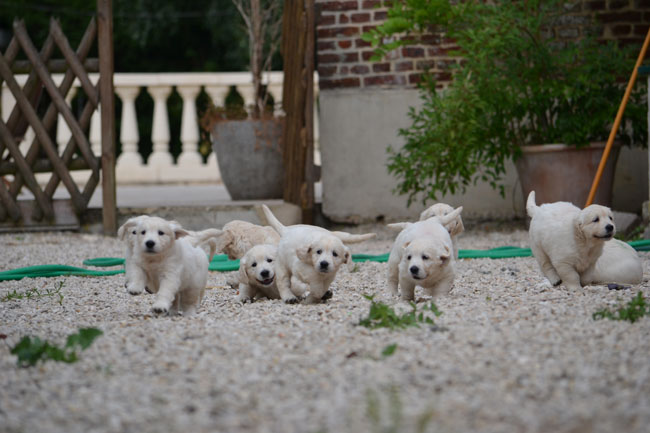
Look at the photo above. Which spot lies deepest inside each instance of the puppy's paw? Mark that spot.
(160, 308)
(148, 290)
(291, 300)
(245, 299)
(327, 295)
(134, 289)
(556, 283)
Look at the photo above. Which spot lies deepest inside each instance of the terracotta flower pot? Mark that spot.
(250, 157)
(557, 172)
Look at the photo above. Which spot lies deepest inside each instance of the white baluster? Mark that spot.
(95, 133)
(190, 155)
(218, 94)
(129, 135)
(160, 127)
(63, 133)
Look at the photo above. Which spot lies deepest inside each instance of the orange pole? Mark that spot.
(617, 121)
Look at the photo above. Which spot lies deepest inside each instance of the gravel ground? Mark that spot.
(509, 353)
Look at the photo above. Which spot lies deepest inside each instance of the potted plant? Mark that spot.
(247, 144)
(517, 85)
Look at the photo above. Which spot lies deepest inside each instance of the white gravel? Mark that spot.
(509, 354)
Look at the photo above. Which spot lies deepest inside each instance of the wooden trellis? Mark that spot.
(42, 155)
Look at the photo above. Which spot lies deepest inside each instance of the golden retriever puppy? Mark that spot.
(422, 255)
(308, 260)
(567, 241)
(454, 227)
(619, 263)
(257, 274)
(172, 267)
(237, 237)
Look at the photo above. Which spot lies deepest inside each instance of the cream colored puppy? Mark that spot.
(567, 241)
(619, 263)
(308, 259)
(454, 227)
(257, 274)
(128, 233)
(173, 268)
(237, 237)
(422, 255)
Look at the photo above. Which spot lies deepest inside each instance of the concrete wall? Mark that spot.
(356, 127)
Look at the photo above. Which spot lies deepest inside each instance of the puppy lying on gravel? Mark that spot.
(237, 237)
(308, 259)
(567, 241)
(454, 227)
(619, 263)
(169, 263)
(257, 274)
(422, 255)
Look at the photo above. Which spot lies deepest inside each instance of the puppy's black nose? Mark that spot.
(264, 273)
(324, 264)
(609, 227)
(150, 244)
(414, 269)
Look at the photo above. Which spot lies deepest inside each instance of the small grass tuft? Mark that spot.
(389, 350)
(30, 350)
(35, 293)
(633, 311)
(383, 316)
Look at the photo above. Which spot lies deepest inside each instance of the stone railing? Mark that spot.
(160, 166)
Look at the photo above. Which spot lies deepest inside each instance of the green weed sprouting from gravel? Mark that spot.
(383, 316)
(633, 311)
(35, 293)
(389, 350)
(30, 350)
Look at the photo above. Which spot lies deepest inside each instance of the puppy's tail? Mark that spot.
(349, 238)
(446, 219)
(398, 226)
(531, 206)
(209, 237)
(273, 221)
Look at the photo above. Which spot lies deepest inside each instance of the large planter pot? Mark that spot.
(250, 157)
(557, 172)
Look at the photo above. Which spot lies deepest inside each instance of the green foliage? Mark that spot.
(389, 350)
(633, 311)
(389, 416)
(517, 84)
(383, 316)
(30, 350)
(35, 293)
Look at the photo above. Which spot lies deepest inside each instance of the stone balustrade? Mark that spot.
(159, 167)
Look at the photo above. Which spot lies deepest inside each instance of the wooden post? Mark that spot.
(297, 100)
(107, 100)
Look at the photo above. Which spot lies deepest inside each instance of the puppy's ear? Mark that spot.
(179, 232)
(243, 276)
(406, 245)
(126, 227)
(444, 257)
(304, 253)
(578, 227)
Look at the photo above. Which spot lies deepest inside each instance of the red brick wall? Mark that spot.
(343, 59)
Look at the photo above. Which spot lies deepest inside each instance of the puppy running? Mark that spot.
(237, 237)
(619, 263)
(567, 241)
(257, 274)
(308, 259)
(422, 255)
(170, 265)
(455, 227)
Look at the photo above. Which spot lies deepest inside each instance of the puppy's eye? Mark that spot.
(254, 264)
(335, 254)
(408, 257)
(425, 257)
(596, 220)
(160, 233)
(319, 251)
(144, 231)
(269, 260)
(135, 232)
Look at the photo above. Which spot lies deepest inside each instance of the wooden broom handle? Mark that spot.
(617, 121)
